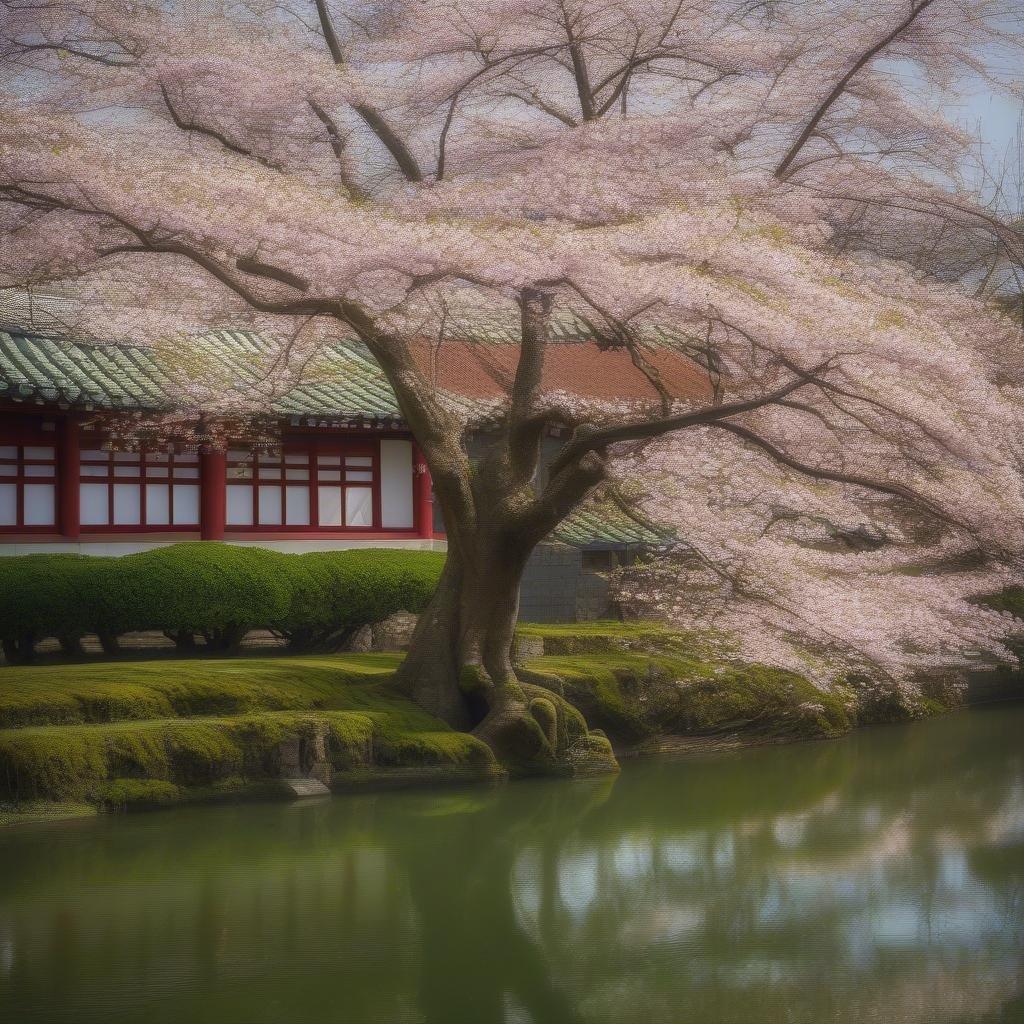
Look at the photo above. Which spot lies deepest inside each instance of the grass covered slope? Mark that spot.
(109, 691)
(642, 682)
(165, 760)
(122, 734)
(153, 733)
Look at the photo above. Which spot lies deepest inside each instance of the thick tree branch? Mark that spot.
(565, 490)
(598, 438)
(218, 271)
(401, 153)
(337, 144)
(442, 142)
(330, 35)
(66, 49)
(197, 129)
(580, 73)
(524, 429)
(546, 107)
(253, 265)
(373, 118)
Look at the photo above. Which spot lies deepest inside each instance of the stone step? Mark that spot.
(306, 787)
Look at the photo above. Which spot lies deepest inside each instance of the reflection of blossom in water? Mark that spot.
(666, 923)
(729, 893)
(526, 884)
(891, 841)
(632, 857)
(900, 924)
(724, 853)
(681, 855)
(789, 830)
(756, 970)
(1007, 826)
(578, 881)
(871, 817)
(953, 869)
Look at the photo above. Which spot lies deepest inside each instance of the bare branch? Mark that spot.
(840, 87)
(374, 119)
(337, 143)
(198, 129)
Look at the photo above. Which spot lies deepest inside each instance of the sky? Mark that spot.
(998, 115)
(999, 118)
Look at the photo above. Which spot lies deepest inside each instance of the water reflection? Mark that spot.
(880, 878)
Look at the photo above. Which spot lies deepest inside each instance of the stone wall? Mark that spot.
(556, 589)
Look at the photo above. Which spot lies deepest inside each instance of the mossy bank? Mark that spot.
(132, 735)
(651, 688)
(136, 735)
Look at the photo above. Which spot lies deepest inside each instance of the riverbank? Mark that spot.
(876, 877)
(89, 738)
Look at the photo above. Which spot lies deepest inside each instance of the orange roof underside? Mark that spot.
(483, 370)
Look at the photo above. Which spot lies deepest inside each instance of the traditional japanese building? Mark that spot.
(345, 470)
(341, 469)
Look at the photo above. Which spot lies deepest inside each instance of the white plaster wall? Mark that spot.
(396, 484)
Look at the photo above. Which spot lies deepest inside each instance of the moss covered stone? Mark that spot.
(81, 762)
(759, 699)
(138, 794)
(635, 697)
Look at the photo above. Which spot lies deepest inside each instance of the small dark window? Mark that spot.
(600, 561)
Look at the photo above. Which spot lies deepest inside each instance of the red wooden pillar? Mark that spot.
(213, 494)
(423, 496)
(68, 517)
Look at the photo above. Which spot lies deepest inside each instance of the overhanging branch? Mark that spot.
(596, 439)
(853, 479)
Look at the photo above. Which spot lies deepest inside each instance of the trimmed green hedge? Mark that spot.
(334, 593)
(49, 595)
(219, 591)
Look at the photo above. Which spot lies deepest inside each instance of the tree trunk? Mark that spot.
(431, 671)
(184, 640)
(71, 645)
(460, 668)
(20, 650)
(110, 642)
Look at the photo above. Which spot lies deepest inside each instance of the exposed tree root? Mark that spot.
(536, 731)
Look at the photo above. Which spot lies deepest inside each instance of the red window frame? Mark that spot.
(276, 462)
(20, 479)
(182, 468)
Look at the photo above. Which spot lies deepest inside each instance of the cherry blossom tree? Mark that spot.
(836, 583)
(742, 182)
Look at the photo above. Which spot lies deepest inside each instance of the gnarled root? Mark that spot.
(536, 731)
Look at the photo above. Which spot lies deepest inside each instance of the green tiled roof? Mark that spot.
(345, 382)
(602, 523)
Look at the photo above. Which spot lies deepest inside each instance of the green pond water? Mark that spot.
(879, 878)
